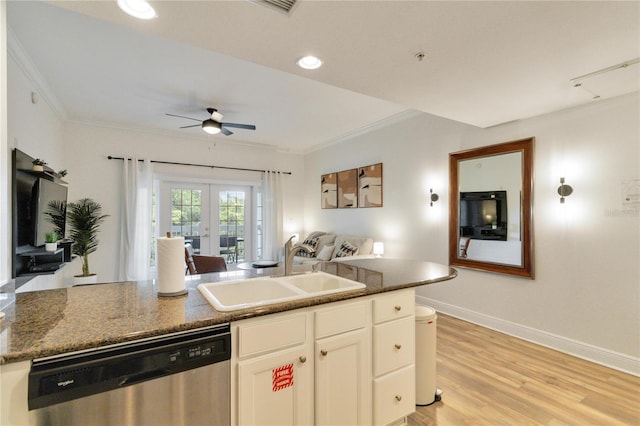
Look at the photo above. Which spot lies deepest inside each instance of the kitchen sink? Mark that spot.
(319, 283)
(253, 292)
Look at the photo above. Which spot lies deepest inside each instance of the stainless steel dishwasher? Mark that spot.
(176, 379)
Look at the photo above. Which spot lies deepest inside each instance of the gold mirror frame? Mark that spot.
(525, 147)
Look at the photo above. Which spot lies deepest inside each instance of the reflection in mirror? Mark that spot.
(490, 210)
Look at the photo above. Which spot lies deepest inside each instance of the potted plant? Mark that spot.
(84, 218)
(38, 165)
(51, 241)
(56, 214)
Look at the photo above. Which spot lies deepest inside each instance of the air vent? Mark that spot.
(283, 6)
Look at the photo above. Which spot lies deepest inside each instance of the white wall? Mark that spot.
(34, 128)
(585, 298)
(92, 175)
(5, 216)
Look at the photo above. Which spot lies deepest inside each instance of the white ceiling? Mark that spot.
(486, 62)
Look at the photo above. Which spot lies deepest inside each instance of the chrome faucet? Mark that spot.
(289, 252)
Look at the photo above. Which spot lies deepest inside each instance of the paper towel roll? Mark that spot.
(171, 266)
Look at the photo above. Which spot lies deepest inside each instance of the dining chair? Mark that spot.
(229, 247)
(201, 264)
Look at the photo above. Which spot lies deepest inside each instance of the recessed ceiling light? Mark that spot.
(309, 62)
(138, 9)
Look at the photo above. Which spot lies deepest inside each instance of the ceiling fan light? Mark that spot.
(309, 62)
(211, 127)
(138, 9)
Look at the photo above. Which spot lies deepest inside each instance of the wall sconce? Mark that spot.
(434, 197)
(564, 190)
(378, 248)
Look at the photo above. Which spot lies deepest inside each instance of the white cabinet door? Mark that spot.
(276, 389)
(343, 379)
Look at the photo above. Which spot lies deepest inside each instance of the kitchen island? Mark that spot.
(51, 322)
(61, 321)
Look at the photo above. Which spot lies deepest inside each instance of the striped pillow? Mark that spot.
(346, 249)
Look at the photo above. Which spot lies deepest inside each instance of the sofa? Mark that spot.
(327, 246)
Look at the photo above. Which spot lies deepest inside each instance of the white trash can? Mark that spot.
(426, 391)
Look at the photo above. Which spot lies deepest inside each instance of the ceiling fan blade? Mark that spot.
(182, 116)
(240, 126)
(226, 132)
(194, 125)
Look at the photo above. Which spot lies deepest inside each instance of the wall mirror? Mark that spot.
(490, 208)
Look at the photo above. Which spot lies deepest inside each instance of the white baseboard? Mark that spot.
(615, 360)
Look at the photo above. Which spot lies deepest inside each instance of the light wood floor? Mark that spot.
(489, 378)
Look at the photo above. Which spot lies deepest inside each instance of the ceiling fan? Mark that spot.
(214, 125)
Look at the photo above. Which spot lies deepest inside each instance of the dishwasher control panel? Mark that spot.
(204, 350)
(58, 379)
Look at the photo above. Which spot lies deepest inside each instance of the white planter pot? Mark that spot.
(80, 280)
(50, 246)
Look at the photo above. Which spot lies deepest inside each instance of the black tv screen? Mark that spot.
(46, 191)
(483, 215)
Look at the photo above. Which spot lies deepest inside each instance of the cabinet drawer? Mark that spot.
(393, 305)
(393, 345)
(267, 335)
(340, 319)
(394, 396)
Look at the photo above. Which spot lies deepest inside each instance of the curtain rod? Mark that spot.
(110, 157)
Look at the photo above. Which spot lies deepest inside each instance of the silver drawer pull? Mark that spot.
(398, 347)
(398, 398)
(398, 308)
(323, 353)
(302, 359)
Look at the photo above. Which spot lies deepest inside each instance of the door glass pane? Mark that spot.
(231, 225)
(185, 215)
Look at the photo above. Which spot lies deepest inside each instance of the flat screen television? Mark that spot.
(483, 215)
(45, 192)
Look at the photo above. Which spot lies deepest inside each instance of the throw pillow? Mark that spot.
(326, 240)
(325, 253)
(310, 243)
(346, 249)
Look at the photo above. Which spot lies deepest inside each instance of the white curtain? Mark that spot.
(135, 231)
(272, 210)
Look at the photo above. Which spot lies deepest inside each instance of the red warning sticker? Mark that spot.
(282, 377)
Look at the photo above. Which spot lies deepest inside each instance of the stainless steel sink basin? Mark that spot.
(243, 294)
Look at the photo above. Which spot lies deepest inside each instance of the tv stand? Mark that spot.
(42, 261)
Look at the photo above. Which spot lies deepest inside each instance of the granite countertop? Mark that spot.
(51, 322)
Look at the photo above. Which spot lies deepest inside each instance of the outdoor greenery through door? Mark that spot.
(214, 219)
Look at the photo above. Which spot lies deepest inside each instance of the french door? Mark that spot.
(214, 219)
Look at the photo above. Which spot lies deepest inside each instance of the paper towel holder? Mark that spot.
(175, 293)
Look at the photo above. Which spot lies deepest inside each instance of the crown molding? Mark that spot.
(385, 122)
(17, 52)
